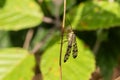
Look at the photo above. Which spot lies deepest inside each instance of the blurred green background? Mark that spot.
(30, 39)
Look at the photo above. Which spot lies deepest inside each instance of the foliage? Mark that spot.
(75, 68)
(16, 15)
(13, 61)
(94, 22)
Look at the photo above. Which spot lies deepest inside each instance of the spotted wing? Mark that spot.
(75, 48)
(69, 47)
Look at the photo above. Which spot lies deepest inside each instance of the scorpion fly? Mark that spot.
(72, 45)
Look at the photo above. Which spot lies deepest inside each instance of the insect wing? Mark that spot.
(69, 47)
(75, 48)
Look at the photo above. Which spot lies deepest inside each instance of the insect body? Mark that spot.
(72, 45)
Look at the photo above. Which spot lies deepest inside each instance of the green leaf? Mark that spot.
(73, 69)
(16, 64)
(18, 14)
(56, 7)
(95, 15)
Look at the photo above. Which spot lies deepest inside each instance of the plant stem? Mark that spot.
(28, 38)
(62, 33)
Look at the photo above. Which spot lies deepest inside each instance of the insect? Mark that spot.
(72, 45)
